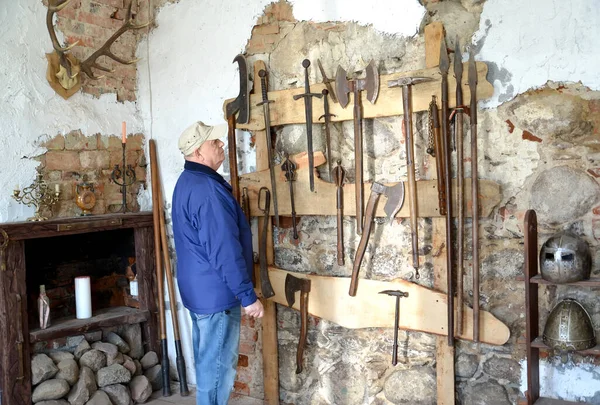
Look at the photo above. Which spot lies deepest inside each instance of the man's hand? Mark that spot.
(255, 310)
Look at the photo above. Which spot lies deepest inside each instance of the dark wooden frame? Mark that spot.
(533, 338)
(16, 388)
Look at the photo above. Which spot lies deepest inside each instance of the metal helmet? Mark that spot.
(569, 327)
(565, 258)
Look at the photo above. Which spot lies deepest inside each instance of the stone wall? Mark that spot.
(541, 147)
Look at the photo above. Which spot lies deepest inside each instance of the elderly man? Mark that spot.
(213, 242)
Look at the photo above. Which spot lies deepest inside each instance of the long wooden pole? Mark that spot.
(159, 271)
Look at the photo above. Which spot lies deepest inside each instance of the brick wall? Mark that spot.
(265, 33)
(92, 22)
(73, 155)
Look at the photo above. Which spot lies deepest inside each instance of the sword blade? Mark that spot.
(266, 112)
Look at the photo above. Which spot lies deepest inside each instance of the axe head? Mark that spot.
(242, 101)
(372, 84)
(395, 200)
(342, 86)
(293, 284)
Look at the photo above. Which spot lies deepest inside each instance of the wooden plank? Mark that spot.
(270, 351)
(539, 344)
(434, 33)
(12, 282)
(551, 401)
(146, 274)
(284, 110)
(103, 318)
(323, 200)
(592, 282)
(424, 310)
(444, 353)
(45, 229)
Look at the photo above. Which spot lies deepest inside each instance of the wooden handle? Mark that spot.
(303, 330)
(364, 240)
(358, 163)
(232, 150)
(460, 205)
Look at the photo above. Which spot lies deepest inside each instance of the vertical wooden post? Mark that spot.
(434, 33)
(144, 259)
(269, 321)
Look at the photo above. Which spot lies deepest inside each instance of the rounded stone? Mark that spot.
(562, 194)
(51, 389)
(486, 393)
(503, 368)
(466, 365)
(415, 386)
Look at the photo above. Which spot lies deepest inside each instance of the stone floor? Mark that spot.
(158, 399)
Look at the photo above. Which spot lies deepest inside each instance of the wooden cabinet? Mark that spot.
(15, 335)
(533, 337)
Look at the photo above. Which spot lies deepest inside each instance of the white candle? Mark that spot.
(57, 188)
(83, 297)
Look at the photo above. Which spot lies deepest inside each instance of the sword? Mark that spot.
(327, 116)
(265, 103)
(307, 95)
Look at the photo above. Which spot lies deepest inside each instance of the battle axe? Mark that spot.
(240, 105)
(343, 86)
(293, 284)
(395, 200)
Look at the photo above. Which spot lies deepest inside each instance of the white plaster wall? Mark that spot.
(187, 73)
(30, 111)
(534, 41)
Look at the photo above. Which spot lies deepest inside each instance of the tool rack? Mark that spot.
(283, 111)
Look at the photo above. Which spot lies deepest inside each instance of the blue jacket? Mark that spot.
(213, 242)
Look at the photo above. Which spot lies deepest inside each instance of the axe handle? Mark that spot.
(265, 283)
(358, 161)
(232, 150)
(364, 240)
(475, 216)
(303, 330)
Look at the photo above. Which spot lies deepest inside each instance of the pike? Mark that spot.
(343, 86)
(327, 116)
(406, 83)
(265, 104)
(307, 96)
(241, 104)
(444, 66)
(458, 73)
(475, 193)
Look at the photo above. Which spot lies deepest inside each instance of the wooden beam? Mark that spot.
(270, 351)
(284, 110)
(434, 33)
(323, 200)
(424, 310)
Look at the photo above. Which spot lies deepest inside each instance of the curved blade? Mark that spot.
(372, 82)
(395, 200)
(242, 101)
(341, 87)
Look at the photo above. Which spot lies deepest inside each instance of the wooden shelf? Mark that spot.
(551, 401)
(592, 282)
(539, 344)
(102, 318)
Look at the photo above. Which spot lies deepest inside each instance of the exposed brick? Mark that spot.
(244, 374)
(528, 136)
(242, 360)
(100, 20)
(53, 175)
(241, 388)
(75, 140)
(62, 160)
(281, 11)
(56, 143)
(266, 29)
(256, 45)
(248, 321)
(247, 347)
(596, 210)
(94, 159)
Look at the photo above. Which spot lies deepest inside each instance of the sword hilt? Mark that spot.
(307, 93)
(325, 93)
(264, 87)
(288, 167)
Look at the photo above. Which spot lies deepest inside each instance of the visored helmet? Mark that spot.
(565, 258)
(569, 327)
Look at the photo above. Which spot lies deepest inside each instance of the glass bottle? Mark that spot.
(44, 308)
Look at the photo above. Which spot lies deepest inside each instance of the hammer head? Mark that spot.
(408, 81)
(293, 284)
(242, 101)
(394, 293)
(342, 86)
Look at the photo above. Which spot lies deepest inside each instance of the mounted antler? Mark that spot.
(53, 7)
(63, 67)
(90, 62)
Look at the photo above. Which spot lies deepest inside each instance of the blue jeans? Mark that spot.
(216, 339)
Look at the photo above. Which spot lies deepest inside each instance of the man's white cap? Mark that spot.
(198, 133)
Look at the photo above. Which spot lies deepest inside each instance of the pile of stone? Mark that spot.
(104, 372)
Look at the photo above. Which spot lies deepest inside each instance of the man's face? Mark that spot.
(213, 153)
